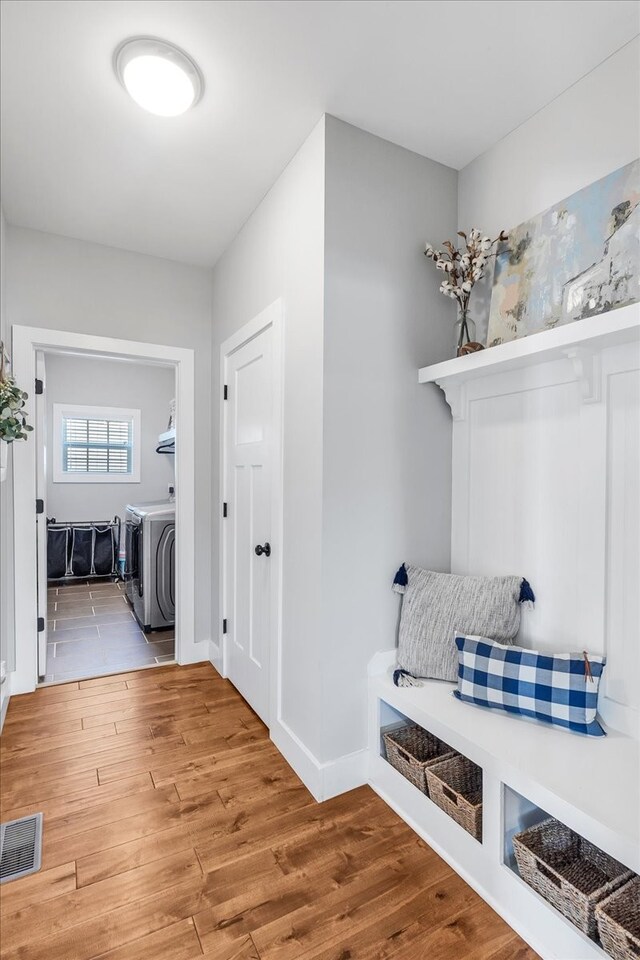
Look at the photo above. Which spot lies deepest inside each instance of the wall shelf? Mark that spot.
(167, 441)
(589, 336)
(578, 345)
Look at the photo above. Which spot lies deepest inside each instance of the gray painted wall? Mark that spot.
(279, 253)
(387, 439)
(587, 132)
(110, 383)
(65, 284)
(367, 451)
(7, 649)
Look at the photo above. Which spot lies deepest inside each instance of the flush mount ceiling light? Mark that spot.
(159, 76)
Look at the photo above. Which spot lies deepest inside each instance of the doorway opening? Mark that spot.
(105, 434)
(107, 554)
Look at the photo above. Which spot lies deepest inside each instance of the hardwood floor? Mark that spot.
(174, 829)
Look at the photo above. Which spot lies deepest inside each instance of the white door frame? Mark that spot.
(272, 316)
(26, 340)
(40, 434)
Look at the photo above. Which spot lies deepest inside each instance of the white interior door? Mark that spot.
(41, 494)
(250, 449)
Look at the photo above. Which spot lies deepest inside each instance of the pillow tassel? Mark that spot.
(526, 593)
(402, 678)
(400, 581)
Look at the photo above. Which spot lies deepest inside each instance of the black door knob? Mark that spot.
(266, 550)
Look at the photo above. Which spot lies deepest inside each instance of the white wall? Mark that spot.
(101, 382)
(7, 652)
(587, 132)
(387, 440)
(590, 130)
(547, 486)
(279, 253)
(64, 284)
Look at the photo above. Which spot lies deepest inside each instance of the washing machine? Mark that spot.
(149, 574)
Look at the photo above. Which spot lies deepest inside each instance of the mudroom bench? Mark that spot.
(530, 771)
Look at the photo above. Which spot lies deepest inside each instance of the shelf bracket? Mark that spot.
(456, 396)
(587, 369)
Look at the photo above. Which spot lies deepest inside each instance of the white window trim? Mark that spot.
(61, 410)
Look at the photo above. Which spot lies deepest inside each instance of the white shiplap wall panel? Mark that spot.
(622, 623)
(547, 485)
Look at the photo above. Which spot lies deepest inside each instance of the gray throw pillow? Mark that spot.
(437, 605)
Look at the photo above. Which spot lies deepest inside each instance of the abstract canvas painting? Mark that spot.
(578, 259)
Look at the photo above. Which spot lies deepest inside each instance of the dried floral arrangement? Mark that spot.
(13, 420)
(464, 268)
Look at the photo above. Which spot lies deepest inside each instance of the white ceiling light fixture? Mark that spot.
(159, 76)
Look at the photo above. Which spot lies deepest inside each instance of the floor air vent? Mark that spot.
(20, 847)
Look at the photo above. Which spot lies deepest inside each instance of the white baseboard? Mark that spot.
(345, 773)
(196, 653)
(215, 655)
(5, 696)
(298, 757)
(323, 780)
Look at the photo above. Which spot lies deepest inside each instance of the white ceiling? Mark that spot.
(447, 79)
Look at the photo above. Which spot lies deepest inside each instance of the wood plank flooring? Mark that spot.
(174, 830)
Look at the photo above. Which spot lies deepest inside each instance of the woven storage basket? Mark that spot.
(568, 871)
(618, 920)
(455, 785)
(411, 750)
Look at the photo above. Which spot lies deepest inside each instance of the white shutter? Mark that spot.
(94, 445)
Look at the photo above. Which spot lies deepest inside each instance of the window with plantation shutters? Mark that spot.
(95, 444)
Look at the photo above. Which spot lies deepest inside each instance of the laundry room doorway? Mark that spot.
(112, 529)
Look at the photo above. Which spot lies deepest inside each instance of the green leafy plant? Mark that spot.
(13, 417)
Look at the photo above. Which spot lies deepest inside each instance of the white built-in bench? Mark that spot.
(546, 485)
(530, 771)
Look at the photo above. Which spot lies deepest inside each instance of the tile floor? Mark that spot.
(91, 631)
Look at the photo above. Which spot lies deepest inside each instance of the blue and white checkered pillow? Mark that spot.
(559, 688)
